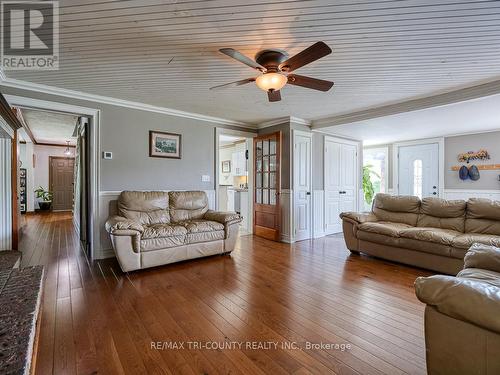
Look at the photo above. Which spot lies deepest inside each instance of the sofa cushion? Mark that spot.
(483, 216)
(377, 238)
(465, 241)
(144, 207)
(441, 213)
(163, 230)
(187, 205)
(203, 230)
(434, 235)
(200, 225)
(385, 228)
(480, 274)
(397, 209)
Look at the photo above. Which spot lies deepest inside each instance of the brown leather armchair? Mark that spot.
(462, 316)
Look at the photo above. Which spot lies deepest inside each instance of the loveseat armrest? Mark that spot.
(225, 218)
(483, 256)
(468, 300)
(119, 225)
(359, 217)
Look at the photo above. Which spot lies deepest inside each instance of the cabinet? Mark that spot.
(239, 161)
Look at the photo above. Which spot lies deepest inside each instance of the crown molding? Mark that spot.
(283, 120)
(439, 100)
(25, 85)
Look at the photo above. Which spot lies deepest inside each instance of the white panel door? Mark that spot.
(333, 151)
(349, 174)
(418, 170)
(302, 187)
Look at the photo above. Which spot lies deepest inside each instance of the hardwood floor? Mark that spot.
(99, 320)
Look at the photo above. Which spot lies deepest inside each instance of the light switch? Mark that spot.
(107, 155)
(205, 178)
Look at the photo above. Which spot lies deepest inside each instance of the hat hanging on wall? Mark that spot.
(463, 173)
(474, 173)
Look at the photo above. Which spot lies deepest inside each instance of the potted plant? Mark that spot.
(45, 197)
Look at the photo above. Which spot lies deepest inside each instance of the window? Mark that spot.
(417, 178)
(375, 165)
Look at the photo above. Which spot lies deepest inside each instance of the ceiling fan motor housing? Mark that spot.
(271, 59)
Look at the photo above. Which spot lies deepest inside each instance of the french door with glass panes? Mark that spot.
(267, 216)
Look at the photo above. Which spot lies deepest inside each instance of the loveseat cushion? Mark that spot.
(483, 216)
(434, 235)
(483, 256)
(397, 209)
(162, 236)
(441, 213)
(383, 227)
(163, 230)
(187, 205)
(466, 240)
(200, 230)
(144, 207)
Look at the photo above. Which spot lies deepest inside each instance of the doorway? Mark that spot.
(234, 175)
(61, 182)
(418, 169)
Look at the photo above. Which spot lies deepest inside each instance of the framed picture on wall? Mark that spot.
(164, 145)
(226, 166)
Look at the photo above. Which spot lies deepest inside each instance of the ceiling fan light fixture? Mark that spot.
(271, 81)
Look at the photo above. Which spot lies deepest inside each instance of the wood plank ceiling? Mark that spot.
(165, 52)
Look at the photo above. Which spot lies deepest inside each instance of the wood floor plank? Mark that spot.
(98, 320)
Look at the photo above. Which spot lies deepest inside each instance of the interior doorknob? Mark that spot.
(308, 193)
(434, 193)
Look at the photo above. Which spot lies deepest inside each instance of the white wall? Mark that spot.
(41, 170)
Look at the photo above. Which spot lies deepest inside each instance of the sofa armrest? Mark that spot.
(483, 256)
(122, 226)
(468, 300)
(225, 218)
(359, 217)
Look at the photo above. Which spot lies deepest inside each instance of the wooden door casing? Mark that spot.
(267, 211)
(61, 172)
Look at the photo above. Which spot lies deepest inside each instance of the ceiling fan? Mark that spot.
(276, 68)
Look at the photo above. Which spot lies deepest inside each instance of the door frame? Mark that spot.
(51, 176)
(251, 187)
(95, 115)
(395, 161)
(292, 162)
(359, 163)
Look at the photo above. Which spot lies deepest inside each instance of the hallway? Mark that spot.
(95, 319)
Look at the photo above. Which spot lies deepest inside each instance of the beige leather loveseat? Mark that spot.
(433, 233)
(155, 228)
(462, 316)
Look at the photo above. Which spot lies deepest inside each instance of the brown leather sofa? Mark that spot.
(155, 228)
(431, 233)
(462, 316)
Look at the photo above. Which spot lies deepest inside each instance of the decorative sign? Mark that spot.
(471, 155)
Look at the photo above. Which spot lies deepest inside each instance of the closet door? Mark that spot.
(333, 186)
(341, 182)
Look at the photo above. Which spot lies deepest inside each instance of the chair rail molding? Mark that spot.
(465, 194)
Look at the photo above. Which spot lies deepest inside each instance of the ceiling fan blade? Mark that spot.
(310, 83)
(274, 95)
(242, 58)
(310, 54)
(233, 84)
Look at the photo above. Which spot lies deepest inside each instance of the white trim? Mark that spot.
(465, 194)
(25, 85)
(300, 121)
(395, 161)
(94, 154)
(479, 191)
(278, 121)
(292, 169)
